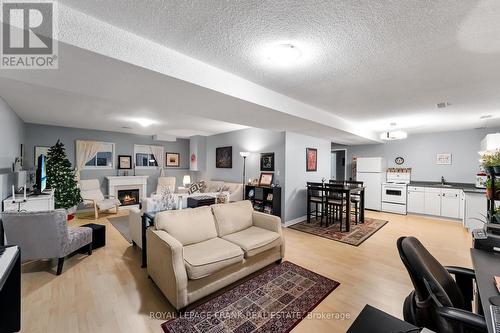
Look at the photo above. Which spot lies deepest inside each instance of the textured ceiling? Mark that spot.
(373, 62)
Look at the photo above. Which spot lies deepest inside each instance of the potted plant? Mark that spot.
(489, 189)
(487, 162)
(495, 161)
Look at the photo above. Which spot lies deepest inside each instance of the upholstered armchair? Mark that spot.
(165, 182)
(45, 235)
(91, 193)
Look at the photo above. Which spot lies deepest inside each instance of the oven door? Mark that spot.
(394, 194)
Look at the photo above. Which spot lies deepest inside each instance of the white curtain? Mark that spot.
(157, 152)
(85, 151)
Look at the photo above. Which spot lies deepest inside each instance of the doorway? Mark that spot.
(338, 164)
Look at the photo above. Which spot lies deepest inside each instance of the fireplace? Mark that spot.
(128, 197)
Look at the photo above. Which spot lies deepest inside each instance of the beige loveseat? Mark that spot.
(195, 252)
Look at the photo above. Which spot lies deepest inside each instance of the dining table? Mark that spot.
(348, 191)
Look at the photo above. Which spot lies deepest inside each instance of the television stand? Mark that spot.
(32, 203)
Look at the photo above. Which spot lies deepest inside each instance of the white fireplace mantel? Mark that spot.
(116, 183)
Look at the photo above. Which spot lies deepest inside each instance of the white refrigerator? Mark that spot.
(372, 172)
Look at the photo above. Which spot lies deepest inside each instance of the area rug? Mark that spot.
(121, 224)
(357, 234)
(273, 301)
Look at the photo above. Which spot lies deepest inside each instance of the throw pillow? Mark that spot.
(194, 188)
(202, 185)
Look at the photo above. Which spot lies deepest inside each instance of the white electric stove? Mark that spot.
(394, 191)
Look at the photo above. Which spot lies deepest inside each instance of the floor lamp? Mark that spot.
(244, 154)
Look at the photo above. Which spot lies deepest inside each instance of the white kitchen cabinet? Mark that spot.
(475, 208)
(450, 204)
(416, 200)
(432, 203)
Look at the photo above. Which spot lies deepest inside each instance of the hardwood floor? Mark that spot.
(109, 292)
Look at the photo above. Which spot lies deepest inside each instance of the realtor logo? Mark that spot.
(28, 35)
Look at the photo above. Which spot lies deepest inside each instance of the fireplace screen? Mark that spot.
(128, 197)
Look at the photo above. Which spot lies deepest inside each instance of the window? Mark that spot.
(144, 157)
(104, 158)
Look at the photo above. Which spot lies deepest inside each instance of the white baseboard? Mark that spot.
(295, 221)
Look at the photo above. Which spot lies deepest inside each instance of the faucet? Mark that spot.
(443, 180)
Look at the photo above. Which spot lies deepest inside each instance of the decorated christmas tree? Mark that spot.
(61, 178)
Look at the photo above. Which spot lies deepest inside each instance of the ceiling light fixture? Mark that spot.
(144, 122)
(393, 135)
(283, 54)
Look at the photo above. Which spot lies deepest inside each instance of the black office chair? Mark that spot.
(439, 302)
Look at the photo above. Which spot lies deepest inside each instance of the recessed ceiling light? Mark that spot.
(393, 135)
(144, 122)
(283, 54)
(488, 116)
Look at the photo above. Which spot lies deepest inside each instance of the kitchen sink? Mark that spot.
(445, 185)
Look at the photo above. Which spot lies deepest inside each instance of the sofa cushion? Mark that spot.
(254, 240)
(213, 186)
(232, 217)
(188, 226)
(207, 257)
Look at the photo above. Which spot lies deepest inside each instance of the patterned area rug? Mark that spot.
(274, 301)
(357, 234)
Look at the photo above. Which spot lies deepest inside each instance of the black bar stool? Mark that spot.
(315, 195)
(335, 203)
(355, 198)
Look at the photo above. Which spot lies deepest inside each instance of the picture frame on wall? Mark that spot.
(124, 162)
(224, 157)
(443, 159)
(266, 179)
(172, 160)
(39, 150)
(267, 162)
(311, 159)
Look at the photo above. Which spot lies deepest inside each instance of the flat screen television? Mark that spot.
(41, 174)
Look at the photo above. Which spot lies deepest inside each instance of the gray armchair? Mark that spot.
(45, 235)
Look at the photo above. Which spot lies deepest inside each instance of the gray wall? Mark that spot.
(419, 152)
(44, 135)
(296, 175)
(253, 140)
(11, 138)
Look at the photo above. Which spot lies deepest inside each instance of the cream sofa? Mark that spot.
(195, 252)
(234, 192)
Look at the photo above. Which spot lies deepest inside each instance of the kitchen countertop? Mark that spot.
(466, 187)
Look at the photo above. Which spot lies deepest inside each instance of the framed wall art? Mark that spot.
(124, 162)
(267, 162)
(224, 157)
(172, 160)
(311, 159)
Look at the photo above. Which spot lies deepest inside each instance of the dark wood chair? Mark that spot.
(335, 203)
(315, 196)
(355, 198)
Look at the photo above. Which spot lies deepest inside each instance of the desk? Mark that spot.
(10, 290)
(375, 321)
(486, 265)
